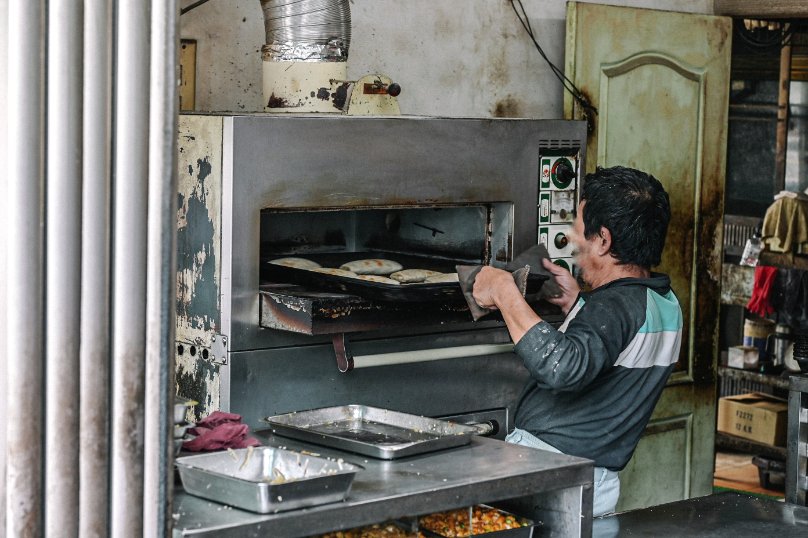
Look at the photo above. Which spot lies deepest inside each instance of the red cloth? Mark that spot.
(217, 431)
(761, 291)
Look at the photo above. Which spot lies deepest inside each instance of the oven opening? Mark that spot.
(319, 300)
(440, 236)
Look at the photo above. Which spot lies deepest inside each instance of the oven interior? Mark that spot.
(469, 233)
(435, 237)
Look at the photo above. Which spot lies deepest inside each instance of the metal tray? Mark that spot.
(266, 479)
(379, 433)
(462, 515)
(444, 291)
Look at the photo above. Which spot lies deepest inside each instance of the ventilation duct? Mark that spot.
(305, 55)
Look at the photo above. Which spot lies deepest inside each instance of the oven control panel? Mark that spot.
(557, 204)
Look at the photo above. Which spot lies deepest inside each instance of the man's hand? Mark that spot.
(491, 284)
(495, 288)
(566, 282)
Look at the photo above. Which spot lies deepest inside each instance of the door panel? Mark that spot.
(660, 82)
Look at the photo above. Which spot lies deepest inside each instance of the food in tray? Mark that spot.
(295, 263)
(379, 279)
(412, 276)
(334, 272)
(372, 266)
(484, 519)
(379, 530)
(442, 277)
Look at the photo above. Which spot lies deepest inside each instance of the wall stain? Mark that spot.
(197, 290)
(508, 107)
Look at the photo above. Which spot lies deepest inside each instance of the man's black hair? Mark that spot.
(634, 207)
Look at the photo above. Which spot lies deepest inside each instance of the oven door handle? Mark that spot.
(346, 361)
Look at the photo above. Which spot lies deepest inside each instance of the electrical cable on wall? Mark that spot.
(589, 111)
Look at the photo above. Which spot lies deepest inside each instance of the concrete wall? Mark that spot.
(451, 57)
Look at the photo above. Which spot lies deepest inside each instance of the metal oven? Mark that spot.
(438, 191)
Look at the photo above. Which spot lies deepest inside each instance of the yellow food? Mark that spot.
(456, 524)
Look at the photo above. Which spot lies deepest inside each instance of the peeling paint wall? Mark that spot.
(199, 258)
(199, 229)
(452, 58)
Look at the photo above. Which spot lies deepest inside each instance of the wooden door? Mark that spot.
(660, 82)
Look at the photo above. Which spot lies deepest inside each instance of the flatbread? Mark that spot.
(335, 272)
(443, 277)
(410, 276)
(379, 279)
(372, 266)
(296, 263)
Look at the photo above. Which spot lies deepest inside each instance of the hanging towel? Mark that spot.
(761, 291)
(785, 226)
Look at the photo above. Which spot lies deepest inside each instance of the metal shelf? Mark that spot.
(725, 440)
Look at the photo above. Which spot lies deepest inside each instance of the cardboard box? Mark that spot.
(755, 416)
(743, 357)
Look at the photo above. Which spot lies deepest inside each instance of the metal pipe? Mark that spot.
(424, 355)
(63, 268)
(24, 258)
(129, 266)
(3, 248)
(95, 280)
(161, 270)
(781, 133)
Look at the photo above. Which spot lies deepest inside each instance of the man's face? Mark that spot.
(583, 250)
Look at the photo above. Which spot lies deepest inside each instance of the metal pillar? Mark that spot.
(24, 258)
(129, 266)
(95, 280)
(3, 245)
(161, 273)
(63, 268)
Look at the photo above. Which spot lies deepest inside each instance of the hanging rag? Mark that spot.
(785, 226)
(218, 431)
(761, 291)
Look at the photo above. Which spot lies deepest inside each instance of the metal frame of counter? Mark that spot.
(554, 489)
(797, 445)
(723, 515)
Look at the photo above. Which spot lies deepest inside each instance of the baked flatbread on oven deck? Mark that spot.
(296, 263)
(411, 276)
(335, 272)
(379, 279)
(443, 277)
(372, 266)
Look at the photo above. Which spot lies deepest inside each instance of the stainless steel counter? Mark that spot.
(552, 488)
(730, 515)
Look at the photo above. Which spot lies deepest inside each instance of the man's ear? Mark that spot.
(604, 244)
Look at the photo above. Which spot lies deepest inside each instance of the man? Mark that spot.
(596, 379)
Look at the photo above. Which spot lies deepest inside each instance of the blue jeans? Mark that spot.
(607, 483)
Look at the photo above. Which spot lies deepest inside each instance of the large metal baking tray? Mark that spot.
(375, 432)
(444, 291)
(266, 479)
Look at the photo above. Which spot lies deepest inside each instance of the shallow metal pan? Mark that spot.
(375, 432)
(266, 479)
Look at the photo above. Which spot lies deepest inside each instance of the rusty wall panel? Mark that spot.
(199, 380)
(199, 229)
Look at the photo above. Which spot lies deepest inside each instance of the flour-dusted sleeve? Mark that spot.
(591, 343)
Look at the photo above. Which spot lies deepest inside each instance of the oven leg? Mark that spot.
(344, 358)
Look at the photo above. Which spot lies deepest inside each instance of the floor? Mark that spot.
(735, 471)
